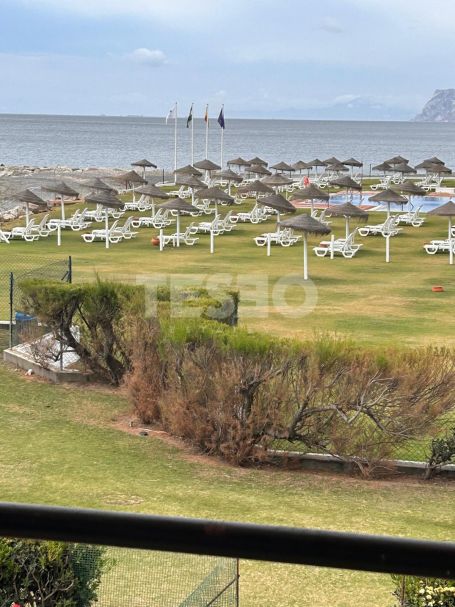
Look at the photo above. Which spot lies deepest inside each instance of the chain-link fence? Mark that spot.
(17, 325)
(114, 577)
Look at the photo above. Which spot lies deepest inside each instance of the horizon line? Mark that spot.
(183, 118)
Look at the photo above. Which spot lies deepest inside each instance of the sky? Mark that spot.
(331, 59)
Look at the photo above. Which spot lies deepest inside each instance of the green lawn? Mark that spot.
(60, 445)
(374, 302)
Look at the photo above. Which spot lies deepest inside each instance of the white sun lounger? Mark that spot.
(439, 246)
(341, 246)
(256, 215)
(5, 236)
(285, 238)
(185, 238)
(101, 234)
(29, 233)
(411, 218)
(388, 228)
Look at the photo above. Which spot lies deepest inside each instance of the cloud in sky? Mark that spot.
(331, 25)
(146, 56)
(380, 56)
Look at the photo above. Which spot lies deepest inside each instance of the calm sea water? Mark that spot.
(83, 141)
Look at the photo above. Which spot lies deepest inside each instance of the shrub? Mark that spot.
(423, 592)
(99, 320)
(49, 574)
(233, 393)
(442, 451)
(92, 319)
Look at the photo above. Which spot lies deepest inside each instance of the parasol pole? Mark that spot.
(305, 256)
(450, 242)
(106, 226)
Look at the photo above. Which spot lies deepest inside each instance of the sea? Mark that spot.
(116, 141)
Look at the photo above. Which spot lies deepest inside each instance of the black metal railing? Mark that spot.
(381, 554)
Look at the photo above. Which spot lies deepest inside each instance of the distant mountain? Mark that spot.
(440, 108)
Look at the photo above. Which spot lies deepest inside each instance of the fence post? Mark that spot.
(70, 269)
(11, 306)
(237, 584)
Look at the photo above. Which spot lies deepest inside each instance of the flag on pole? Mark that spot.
(206, 116)
(190, 117)
(171, 114)
(221, 118)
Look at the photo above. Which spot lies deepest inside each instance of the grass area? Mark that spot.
(374, 302)
(60, 445)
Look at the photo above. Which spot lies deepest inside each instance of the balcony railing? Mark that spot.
(231, 541)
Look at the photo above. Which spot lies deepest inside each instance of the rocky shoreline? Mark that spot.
(14, 178)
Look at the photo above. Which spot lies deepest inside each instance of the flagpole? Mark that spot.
(175, 138)
(222, 139)
(192, 135)
(207, 132)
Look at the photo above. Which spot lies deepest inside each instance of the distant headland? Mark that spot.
(440, 108)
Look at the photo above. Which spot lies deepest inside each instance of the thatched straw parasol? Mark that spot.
(283, 166)
(240, 162)
(348, 210)
(446, 210)
(336, 167)
(277, 202)
(276, 180)
(257, 160)
(60, 187)
(403, 168)
(152, 192)
(229, 176)
(300, 166)
(397, 160)
(346, 182)
(316, 163)
(435, 160)
(311, 192)
(190, 181)
(389, 197)
(29, 197)
(130, 178)
(411, 189)
(257, 169)
(439, 169)
(331, 160)
(385, 167)
(207, 165)
(214, 194)
(144, 164)
(106, 199)
(188, 170)
(352, 162)
(95, 183)
(308, 225)
(180, 206)
(256, 187)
